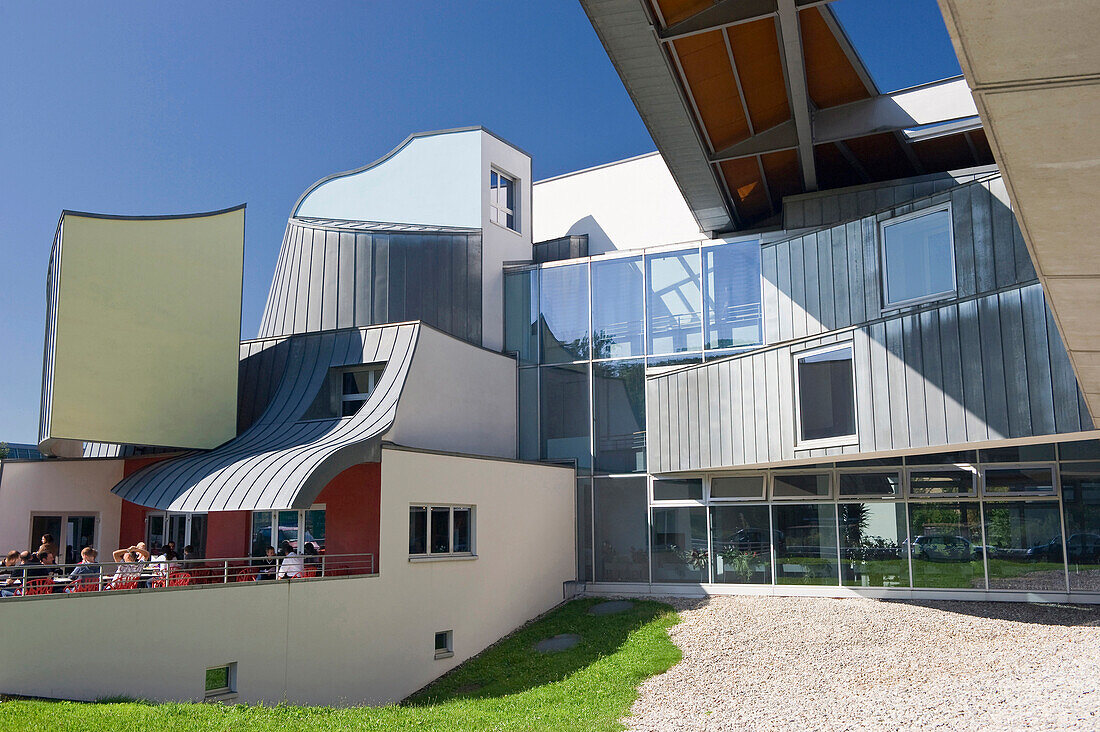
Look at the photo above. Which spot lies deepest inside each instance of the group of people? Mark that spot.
(18, 568)
(286, 563)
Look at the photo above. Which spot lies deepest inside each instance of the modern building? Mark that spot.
(805, 348)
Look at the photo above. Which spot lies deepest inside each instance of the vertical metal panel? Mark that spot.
(760, 406)
(849, 206)
(331, 293)
(842, 309)
(783, 264)
(895, 371)
(1004, 253)
(682, 454)
(734, 434)
(313, 303)
(689, 401)
(1083, 411)
(993, 367)
(459, 291)
(984, 264)
(1025, 268)
(473, 301)
(441, 255)
(781, 415)
(654, 413)
(1015, 362)
(931, 374)
(857, 300)
(771, 296)
(826, 297)
(715, 410)
(866, 202)
(872, 283)
(952, 375)
(830, 210)
(963, 235)
(398, 252)
(970, 343)
(345, 308)
(884, 198)
(300, 300)
(813, 288)
(1040, 389)
(380, 309)
(923, 188)
(914, 381)
(865, 410)
(812, 212)
(364, 279)
(748, 411)
(880, 384)
(793, 214)
(797, 290)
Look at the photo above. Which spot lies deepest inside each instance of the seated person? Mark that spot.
(43, 568)
(292, 564)
(266, 566)
(87, 570)
(130, 562)
(9, 572)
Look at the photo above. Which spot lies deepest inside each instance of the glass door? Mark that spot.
(155, 530)
(197, 534)
(42, 525)
(177, 531)
(79, 533)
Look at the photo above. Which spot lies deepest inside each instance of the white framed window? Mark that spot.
(942, 481)
(867, 483)
(71, 532)
(677, 489)
(344, 391)
(738, 487)
(444, 644)
(918, 257)
(438, 532)
(221, 680)
(303, 529)
(185, 530)
(503, 208)
(825, 397)
(802, 484)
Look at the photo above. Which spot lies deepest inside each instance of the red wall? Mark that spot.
(352, 508)
(131, 525)
(227, 533)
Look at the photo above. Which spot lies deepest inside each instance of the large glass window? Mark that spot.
(621, 546)
(805, 544)
(1081, 501)
(680, 552)
(564, 313)
(303, 531)
(1018, 536)
(918, 260)
(946, 544)
(502, 200)
(826, 395)
(521, 315)
(617, 310)
(618, 393)
(565, 432)
(740, 540)
(872, 545)
(673, 301)
(529, 414)
(731, 295)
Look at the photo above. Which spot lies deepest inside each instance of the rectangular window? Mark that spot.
(740, 536)
(956, 482)
(564, 313)
(826, 395)
(918, 258)
(502, 200)
(946, 544)
(618, 405)
(617, 312)
(344, 391)
(737, 486)
(673, 302)
(444, 644)
(677, 489)
(872, 545)
(521, 315)
(1037, 480)
(680, 551)
(221, 680)
(801, 485)
(805, 544)
(871, 484)
(436, 531)
(278, 529)
(565, 420)
(731, 295)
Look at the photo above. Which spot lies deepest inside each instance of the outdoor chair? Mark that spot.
(246, 575)
(37, 587)
(84, 584)
(179, 579)
(125, 583)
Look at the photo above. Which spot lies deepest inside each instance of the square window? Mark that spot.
(221, 680)
(444, 644)
(502, 200)
(826, 395)
(918, 258)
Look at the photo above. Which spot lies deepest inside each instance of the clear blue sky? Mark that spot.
(170, 107)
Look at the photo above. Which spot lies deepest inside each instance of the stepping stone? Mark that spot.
(611, 608)
(558, 643)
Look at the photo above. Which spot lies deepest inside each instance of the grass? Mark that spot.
(508, 687)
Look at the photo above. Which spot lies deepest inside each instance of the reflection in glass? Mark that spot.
(619, 413)
(946, 544)
(440, 540)
(1081, 500)
(870, 484)
(680, 544)
(668, 362)
(941, 482)
(1079, 450)
(529, 414)
(737, 486)
(521, 315)
(731, 294)
(564, 414)
(739, 540)
(917, 257)
(584, 530)
(1018, 539)
(261, 533)
(673, 300)
(617, 310)
(800, 485)
(315, 529)
(621, 546)
(872, 545)
(826, 395)
(461, 532)
(943, 458)
(677, 489)
(1018, 454)
(1019, 480)
(805, 544)
(564, 313)
(288, 530)
(198, 535)
(418, 530)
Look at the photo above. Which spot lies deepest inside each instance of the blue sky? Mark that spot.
(157, 107)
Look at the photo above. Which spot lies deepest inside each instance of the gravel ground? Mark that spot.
(763, 663)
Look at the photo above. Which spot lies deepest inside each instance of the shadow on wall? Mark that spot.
(513, 665)
(598, 240)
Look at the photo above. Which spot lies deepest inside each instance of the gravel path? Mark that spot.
(762, 663)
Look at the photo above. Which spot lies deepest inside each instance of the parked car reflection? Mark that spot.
(1082, 549)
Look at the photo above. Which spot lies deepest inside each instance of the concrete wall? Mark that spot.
(338, 641)
(56, 487)
(630, 204)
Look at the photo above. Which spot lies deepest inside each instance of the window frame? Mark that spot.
(61, 538)
(229, 689)
(1054, 481)
(449, 649)
(887, 304)
(333, 383)
(673, 502)
(839, 440)
(274, 521)
(898, 470)
(975, 477)
(504, 211)
(829, 472)
(428, 555)
(763, 475)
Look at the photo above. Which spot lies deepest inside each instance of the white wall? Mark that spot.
(340, 641)
(499, 244)
(626, 205)
(457, 397)
(56, 487)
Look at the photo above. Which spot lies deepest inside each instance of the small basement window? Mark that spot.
(441, 531)
(221, 680)
(826, 396)
(444, 644)
(918, 258)
(502, 200)
(344, 391)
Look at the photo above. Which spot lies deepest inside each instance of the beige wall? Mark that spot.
(57, 487)
(148, 330)
(349, 641)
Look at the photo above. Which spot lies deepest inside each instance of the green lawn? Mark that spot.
(509, 687)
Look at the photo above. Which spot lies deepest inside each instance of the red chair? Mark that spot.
(85, 584)
(179, 579)
(246, 575)
(37, 587)
(158, 583)
(124, 583)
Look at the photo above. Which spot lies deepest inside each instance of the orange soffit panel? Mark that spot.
(710, 80)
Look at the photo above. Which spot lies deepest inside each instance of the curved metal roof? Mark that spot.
(280, 462)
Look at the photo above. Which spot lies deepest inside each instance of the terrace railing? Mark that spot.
(178, 573)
